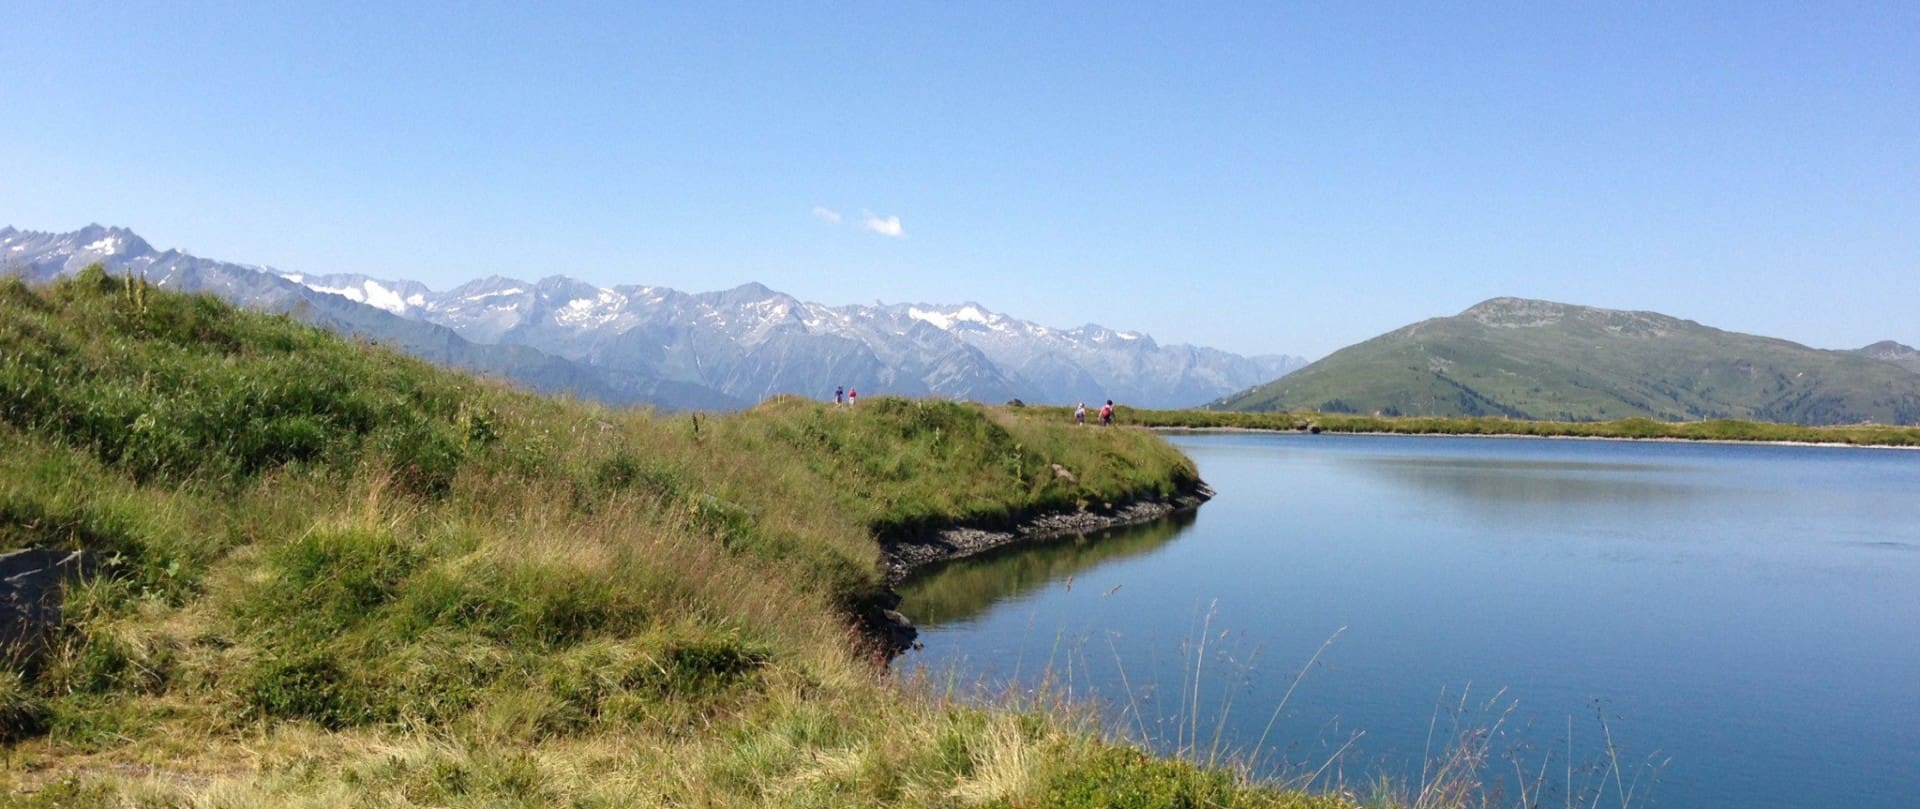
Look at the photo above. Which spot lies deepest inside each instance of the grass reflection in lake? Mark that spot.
(1551, 484)
(965, 588)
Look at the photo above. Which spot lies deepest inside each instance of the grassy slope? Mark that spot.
(336, 576)
(1592, 364)
(1865, 435)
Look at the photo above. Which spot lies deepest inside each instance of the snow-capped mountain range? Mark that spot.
(709, 349)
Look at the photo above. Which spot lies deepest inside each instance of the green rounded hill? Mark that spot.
(1533, 359)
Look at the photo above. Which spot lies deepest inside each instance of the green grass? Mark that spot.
(335, 576)
(1534, 360)
(1864, 435)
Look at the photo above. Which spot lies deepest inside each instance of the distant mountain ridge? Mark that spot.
(39, 257)
(1544, 360)
(1904, 356)
(713, 349)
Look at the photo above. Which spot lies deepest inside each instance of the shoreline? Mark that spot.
(1663, 439)
(909, 555)
(906, 556)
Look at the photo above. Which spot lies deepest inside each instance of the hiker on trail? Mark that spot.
(1080, 414)
(839, 394)
(1106, 414)
(851, 395)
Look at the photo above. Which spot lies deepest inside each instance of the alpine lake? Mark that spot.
(1569, 622)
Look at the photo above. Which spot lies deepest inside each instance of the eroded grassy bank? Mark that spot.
(329, 575)
(1716, 430)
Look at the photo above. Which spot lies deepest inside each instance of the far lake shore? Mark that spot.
(1735, 431)
(1628, 438)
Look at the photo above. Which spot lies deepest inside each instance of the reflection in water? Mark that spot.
(1507, 481)
(1746, 613)
(1885, 544)
(965, 588)
(1525, 464)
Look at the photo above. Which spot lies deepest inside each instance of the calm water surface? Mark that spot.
(1743, 620)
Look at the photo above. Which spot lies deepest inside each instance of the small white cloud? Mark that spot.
(889, 226)
(826, 214)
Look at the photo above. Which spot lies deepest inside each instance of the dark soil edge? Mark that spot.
(906, 555)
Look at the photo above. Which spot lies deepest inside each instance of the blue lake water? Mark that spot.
(1742, 621)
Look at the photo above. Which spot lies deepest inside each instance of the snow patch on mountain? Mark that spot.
(373, 293)
(945, 321)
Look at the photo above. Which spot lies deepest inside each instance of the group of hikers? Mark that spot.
(1106, 414)
(843, 395)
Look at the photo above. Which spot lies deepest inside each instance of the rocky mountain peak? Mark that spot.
(110, 241)
(564, 288)
(748, 293)
(1890, 350)
(1516, 313)
(1905, 356)
(1523, 313)
(488, 287)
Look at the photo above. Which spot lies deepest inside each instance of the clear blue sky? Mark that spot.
(1272, 177)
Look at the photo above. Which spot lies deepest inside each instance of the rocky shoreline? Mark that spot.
(907, 555)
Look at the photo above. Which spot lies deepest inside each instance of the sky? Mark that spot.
(1272, 177)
